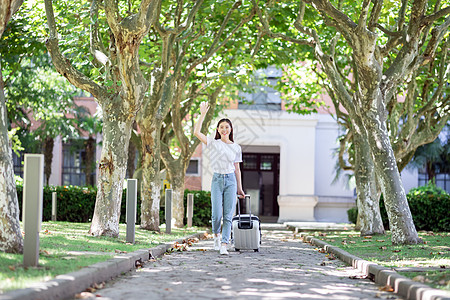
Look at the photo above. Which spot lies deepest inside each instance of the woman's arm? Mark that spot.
(237, 172)
(204, 107)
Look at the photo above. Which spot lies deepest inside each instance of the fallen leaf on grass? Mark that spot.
(368, 237)
(352, 242)
(383, 248)
(12, 268)
(119, 251)
(386, 288)
(365, 241)
(322, 234)
(380, 241)
(397, 250)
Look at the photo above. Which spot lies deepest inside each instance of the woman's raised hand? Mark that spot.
(204, 107)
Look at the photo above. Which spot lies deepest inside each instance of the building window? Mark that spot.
(193, 169)
(18, 163)
(266, 162)
(262, 97)
(250, 161)
(74, 165)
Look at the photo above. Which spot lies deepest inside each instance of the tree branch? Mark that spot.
(7, 9)
(266, 28)
(375, 15)
(433, 17)
(63, 65)
(363, 15)
(213, 48)
(96, 46)
(328, 9)
(112, 15)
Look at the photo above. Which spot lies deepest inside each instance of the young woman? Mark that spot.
(226, 183)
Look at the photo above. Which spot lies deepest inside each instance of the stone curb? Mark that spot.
(402, 285)
(67, 285)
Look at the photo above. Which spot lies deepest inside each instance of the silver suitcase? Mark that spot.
(246, 230)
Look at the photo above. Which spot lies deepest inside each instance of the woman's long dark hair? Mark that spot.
(217, 137)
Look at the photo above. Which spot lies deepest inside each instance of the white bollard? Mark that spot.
(33, 184)
(131, 209)
(190, 209)
(54, 206)
(168, 211)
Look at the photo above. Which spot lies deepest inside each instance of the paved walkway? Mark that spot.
(285, 268)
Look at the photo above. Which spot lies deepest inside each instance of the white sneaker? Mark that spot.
(216, 242)
(223, 250)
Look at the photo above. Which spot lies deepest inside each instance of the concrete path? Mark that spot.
(285, 268)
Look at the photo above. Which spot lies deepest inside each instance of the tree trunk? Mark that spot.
(48, 157)
(176, 175)
(151, 182)
(368, 196)
(112, 168)
(11, 240)
(400, 218)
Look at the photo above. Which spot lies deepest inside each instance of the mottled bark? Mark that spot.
(177, 173)
(375, 88)
(400, 219)
(112, 168)
(120, 100)
(11, 239)
(151, 182)
(368, 196)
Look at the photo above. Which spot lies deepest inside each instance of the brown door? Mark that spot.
(260, 171)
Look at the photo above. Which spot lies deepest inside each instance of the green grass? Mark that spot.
(435, 252)
(67, 247)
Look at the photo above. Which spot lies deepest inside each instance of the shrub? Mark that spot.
(352, 214)
(429, 207)
(76, 204)
(202, 208)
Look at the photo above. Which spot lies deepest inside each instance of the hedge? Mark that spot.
(76, 204)
(429, 205)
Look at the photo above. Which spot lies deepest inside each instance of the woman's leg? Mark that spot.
(229, 204)
(216, 202)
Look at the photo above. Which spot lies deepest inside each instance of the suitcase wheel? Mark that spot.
(256, 250)
(236, 249)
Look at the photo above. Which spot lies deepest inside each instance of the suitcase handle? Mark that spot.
(249, 209)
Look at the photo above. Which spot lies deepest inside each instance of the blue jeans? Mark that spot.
(223, 199)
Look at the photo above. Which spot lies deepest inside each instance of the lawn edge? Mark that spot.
(67, 285)
(402, 285)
